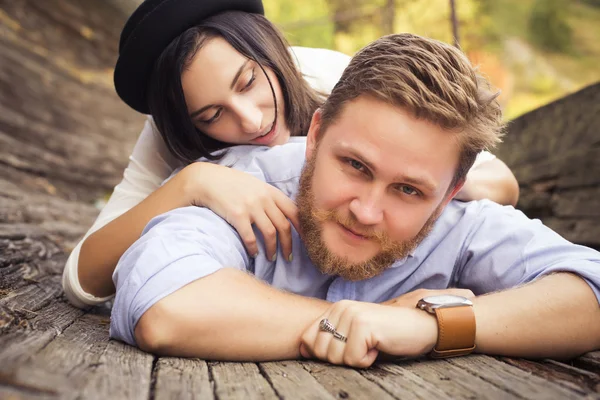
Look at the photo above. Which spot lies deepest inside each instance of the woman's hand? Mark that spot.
(243, 200)
(369, 329)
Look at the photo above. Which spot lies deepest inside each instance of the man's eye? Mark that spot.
(408, 190)
(356, 165)
(214, 117)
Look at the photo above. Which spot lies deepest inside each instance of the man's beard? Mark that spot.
(311, 220)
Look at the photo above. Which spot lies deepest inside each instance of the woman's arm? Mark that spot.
(493, 180)
(101, 250)
(239, 198)
(150, 164)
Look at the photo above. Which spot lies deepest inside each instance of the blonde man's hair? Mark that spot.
(432, 80)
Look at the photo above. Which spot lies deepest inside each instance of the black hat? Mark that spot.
(150, 29)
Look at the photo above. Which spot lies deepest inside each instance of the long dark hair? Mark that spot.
(254, 37)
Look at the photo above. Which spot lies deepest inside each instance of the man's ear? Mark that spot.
(456, 189)
(312, 136)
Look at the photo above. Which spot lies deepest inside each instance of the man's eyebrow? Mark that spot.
(413, 180)
(421, 182)
(233, 82)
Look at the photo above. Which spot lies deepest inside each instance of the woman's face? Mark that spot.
(229, 98)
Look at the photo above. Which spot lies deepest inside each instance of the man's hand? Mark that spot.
(412, 298)
(369, 329)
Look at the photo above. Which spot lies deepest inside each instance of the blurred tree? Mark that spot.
(549, 29)
(388, 17)
(306, 23)
(593, 3)
(356, 23)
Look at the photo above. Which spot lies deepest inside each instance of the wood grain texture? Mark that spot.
(453, 381)
(291, 381)
(240, 381)
(402, 383)
(345, 383)
(576, 379)
(178, 378)
(554, 151)
(515, 381)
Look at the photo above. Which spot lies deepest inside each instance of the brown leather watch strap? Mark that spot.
(456, 332)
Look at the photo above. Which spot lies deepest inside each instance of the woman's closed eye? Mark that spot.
(250, 81)
(212, 119)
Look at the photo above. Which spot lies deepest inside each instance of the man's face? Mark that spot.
(372, 187)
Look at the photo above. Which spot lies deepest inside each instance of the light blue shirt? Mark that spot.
(478, 245)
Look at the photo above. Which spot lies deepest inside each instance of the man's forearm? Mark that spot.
(228, 315)
(556, 317)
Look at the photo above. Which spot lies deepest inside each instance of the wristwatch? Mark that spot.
(456, 324)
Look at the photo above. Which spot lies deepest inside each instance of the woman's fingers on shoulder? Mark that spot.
(287, 207)
(244, 229)
(284, 229)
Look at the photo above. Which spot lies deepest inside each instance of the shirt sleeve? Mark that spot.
(505, 249)
(482, 158)
(175, 249)
(149, 164)
(321, 68)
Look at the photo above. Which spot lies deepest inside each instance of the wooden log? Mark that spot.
(554, 152)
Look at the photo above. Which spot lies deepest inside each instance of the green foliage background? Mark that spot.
(536, 50)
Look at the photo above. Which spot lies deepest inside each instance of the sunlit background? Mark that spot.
(535, 51)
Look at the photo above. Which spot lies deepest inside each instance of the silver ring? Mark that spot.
(326, 326)
(339, 336)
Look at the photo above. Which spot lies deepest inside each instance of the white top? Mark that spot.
(151, 163)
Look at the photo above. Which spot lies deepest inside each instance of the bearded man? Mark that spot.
(385, 156)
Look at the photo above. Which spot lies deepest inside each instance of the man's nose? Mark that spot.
(367, 208)
(250, 117)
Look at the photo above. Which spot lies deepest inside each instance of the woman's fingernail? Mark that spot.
(274, 258)
(255, 255)
(291, 257)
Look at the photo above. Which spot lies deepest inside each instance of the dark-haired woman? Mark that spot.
(214, 75)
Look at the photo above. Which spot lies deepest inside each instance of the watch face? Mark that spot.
(447, 300)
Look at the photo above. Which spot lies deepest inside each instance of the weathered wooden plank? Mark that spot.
(12, 393)
(517, 382)
(55, 66)
(344, 383)
(178, 378)
(402, 383)
(456, 382)
(291, 381)
(240, 381)
(589, 361)
(66, 363)
(35, 296)
(17, 344)
(573, 378)
(122, 371)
